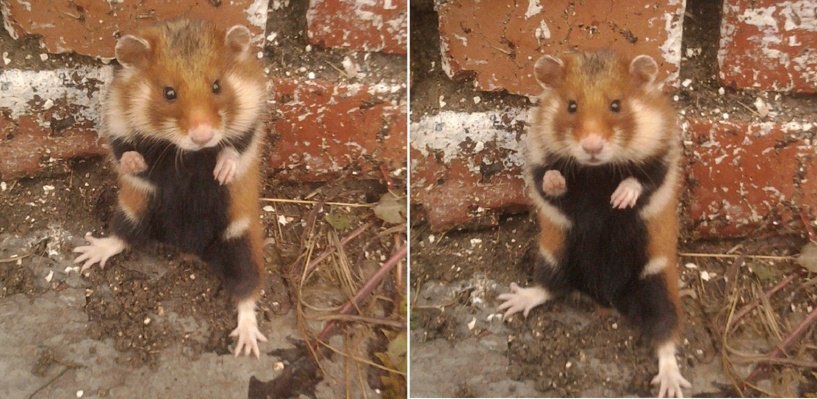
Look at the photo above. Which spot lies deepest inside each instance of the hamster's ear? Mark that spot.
(643, 70)
(549, 71)
(132, 51)
(238, 38)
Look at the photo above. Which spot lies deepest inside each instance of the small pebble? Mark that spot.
(477, 99)
(721, 91)
(686, 82)
(43, 56)
(472, 323)
(268, 208)
(49, 276)
(147, 320)
(80, 393)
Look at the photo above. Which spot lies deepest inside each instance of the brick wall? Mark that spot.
(337, 102)
(737, 72)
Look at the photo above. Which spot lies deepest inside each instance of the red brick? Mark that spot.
(26, 148)
(380, 26)
(769, 45)
(745, 176)
(89, 27)
(500, 41)
(325, 130)
(455, 196)
(465, 167)
(808, 186)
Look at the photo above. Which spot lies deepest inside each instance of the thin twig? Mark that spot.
(309, 202)
(370, 363)
(731, 256)
(356, 232)
(807, 223)
(748, 308)
(56, 377)
(14, 258)
(787, 343)
(364, 291)
(362, 319)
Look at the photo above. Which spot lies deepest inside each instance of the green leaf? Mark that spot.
(338, 221)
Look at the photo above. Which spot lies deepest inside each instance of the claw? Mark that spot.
(522, 299)
(226, 166)
(99, 251)
(626, 194)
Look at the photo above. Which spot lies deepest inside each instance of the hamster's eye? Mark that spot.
(615, 106)
(572, 106)
(170, 94)
(216, 87)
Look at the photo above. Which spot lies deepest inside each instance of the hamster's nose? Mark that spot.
(201, 134)
(592, 144)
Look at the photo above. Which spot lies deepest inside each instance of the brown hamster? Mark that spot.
(184, 120)
(602, 168)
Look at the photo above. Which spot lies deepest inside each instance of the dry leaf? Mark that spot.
(808, 257)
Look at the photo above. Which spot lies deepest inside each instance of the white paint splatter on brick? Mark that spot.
(671, 48)
(448, 131)
(80, 87)
(257, 16)
(533, 8)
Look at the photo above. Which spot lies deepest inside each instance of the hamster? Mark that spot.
(603, 155)
(183, 116)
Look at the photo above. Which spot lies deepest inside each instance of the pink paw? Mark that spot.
(626, 194)
(132, 162)
(553, 183)
(226, 166)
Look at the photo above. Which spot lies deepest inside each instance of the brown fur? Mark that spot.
(662, 230)
(132, 197)
(551, 236)
(244, 194)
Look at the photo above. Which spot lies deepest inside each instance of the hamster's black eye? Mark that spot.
(216, 87)
(170, 94)
(572, 106)
(615, 106)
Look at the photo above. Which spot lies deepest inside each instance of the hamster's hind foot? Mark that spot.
(522, 299)
(99, 250)
(247, 334)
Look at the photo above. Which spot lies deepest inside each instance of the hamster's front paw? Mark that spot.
(626, 194)
(132, 162)
(226, 166)
(553, 183)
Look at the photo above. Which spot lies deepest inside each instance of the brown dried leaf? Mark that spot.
(808, 257)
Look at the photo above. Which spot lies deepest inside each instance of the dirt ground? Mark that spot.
(570, 347)
(157, 324)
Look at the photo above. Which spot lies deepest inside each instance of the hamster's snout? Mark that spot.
(592, 144)
(201, 134)
(201, 129)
